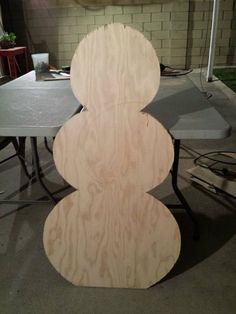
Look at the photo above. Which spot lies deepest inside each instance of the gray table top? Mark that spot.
(185, 112)
(40, 108)
(35, 108)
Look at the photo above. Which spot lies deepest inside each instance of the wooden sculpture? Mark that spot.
(111, 233)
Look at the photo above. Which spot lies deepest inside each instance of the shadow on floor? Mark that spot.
(216, 217)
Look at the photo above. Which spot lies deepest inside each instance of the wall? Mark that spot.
(179, 30)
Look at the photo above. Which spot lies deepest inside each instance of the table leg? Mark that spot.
(12, 66)
(20, 149)
(46, 145)
(26, 61)
(37, 168)
(184, 204)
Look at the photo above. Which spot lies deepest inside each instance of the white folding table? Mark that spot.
(188, 115)
(30, 108)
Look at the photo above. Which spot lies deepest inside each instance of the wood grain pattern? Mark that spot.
(123, 239)
(115, 64)
(111, 233)
(121, 147)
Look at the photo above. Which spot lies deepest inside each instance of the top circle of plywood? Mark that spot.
(115, 64)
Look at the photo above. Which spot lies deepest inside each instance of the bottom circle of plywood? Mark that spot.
(110, 239)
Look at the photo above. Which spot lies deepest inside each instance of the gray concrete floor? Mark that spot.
(202, 281)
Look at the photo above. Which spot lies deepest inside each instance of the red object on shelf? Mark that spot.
(10, 55)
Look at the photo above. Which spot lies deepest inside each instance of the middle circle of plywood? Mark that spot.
(115, 64)
(118, 147)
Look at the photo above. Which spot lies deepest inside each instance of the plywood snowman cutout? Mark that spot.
(111, 232)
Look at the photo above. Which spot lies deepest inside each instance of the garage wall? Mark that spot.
(179, 30)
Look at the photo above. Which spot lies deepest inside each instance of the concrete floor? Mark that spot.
(202, 281)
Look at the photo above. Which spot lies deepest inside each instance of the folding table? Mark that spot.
(30, 108)
(34, 109)
(187, 114)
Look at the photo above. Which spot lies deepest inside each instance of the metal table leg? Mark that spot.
(178, 193)
(21, 154)
(36, 163)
